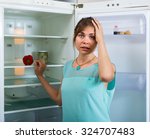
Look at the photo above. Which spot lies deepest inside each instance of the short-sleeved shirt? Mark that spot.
(84, 96)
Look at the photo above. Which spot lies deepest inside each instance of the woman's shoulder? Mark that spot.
(67, 65)
(69, 62)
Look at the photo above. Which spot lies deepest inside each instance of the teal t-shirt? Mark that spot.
(84, 96)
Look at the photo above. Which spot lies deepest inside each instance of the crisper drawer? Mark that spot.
(49, 115)
(44, 115)
(20, 117)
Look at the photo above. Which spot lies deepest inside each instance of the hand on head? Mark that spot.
(98, 30)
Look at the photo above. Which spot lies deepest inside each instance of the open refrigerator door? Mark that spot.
(126, 37)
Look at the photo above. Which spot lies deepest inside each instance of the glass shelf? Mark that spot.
(21, 65)
(35, 36)
(137, 37)
(125, 35)
(28, 105)
(23, 82)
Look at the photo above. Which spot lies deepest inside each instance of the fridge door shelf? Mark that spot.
(29, 105)
(35, 36)
(132, 37)
(24, 82)
(124, 30)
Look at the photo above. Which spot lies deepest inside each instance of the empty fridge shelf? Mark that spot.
(17, 65)
(36, 36)
(23, 82)
(29, 105)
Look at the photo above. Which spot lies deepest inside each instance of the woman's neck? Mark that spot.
(82, 58)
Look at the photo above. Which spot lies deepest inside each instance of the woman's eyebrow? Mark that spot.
(92, 34)
(81, 32)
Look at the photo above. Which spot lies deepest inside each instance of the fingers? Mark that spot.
(96, 23)
(38, 63)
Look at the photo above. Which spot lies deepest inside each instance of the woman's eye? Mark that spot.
(81, 35)
(92, 37)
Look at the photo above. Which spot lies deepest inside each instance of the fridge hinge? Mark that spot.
(78, 5)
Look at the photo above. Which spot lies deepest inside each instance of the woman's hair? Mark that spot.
(81, 25)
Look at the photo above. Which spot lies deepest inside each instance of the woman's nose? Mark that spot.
(86, 39)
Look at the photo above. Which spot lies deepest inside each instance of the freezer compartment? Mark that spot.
(129, 101)
(45, 115)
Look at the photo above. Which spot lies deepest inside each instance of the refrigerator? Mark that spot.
(45, 25)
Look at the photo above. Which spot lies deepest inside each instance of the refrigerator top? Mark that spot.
(39, 5)
(67, 7)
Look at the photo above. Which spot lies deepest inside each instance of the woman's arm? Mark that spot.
(55, 94)
(106, 68)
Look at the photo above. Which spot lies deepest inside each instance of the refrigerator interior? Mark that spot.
(26, 32)
(127, 50)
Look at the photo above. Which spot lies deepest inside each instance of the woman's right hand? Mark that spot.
(39, 67)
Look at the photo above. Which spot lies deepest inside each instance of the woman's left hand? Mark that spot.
(98, 31)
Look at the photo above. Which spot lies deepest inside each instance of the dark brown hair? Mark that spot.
(81, 25)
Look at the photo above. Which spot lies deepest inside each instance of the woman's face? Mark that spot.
(85, 41)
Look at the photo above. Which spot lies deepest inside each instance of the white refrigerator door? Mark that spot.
(148, 69)
(130, 56)
(1, 67)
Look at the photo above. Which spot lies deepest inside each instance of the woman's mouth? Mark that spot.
(85, 48)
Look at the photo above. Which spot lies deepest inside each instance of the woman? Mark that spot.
(89, 82)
